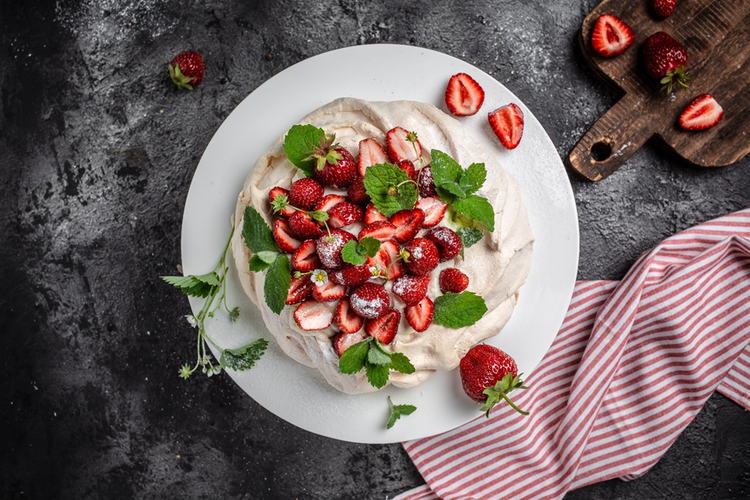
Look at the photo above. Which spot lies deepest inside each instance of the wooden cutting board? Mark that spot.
(716, 35)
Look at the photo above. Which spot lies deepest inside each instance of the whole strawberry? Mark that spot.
(666, 59)
(187, 69)
(334, 166)
(663, 8)
(488, 375)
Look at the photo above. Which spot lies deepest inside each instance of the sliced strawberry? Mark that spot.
(426, 183)
(357, 193)
(282, 234)
(382, 230)
(305, 258)
(313, 315)
(408, 167)
(345, 213)
(611, 36)
(411, 289)
(400, 147)
(343, 341)
(385, 259)
(351, 276)
(434, 210)
(453, 280)
(372, 214)
(275, 193)
(507, 123)
(420, 315)
(370, 300)
(328, 292)
(446, 240)
(304, 193)
(408, 223)
(348, 320)
(329, 248)
(328, 202)
(304, 226)
(370, 153)
(300, 289)
(423, 256)
(385, 327)
(464, 96)
(704, 112)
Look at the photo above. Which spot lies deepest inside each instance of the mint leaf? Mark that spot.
(190, 285)
(354, 357)
(244, 357)
(257, 234)
(267, 256)
(469, 236)
(368, 246)
(444, 168)
(456, 310)
(401, 363)
(390, 188)
(473, 178)
(350, 254)
(377, 356)
(397, 411)
(257, 264)
(276, 286)
(476, 208)
(454, 189)
(377, 375)
(298, 144)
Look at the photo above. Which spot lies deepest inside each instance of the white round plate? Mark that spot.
(378, 73)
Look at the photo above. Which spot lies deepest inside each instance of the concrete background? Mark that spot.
(98, 148)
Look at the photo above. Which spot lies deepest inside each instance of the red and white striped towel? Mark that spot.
(632, 365)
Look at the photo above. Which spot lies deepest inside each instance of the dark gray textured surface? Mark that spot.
(97, 151)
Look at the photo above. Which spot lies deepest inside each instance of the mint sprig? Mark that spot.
(456, 310)
(397, 411)
(377, 362)
(356, 253)
(299, 142)
(390, 188)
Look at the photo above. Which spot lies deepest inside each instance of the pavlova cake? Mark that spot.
(380, 243)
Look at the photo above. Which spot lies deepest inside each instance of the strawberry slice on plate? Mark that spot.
(403, 145)
(282, 234)
(419, 316)
(300, 290)
(464, 96)
(370, 153)
(328, 292)
(385, 327)
(611, 36)
(434, 210)
(382, 230)
(704, 112)
(507, 123)
(305, 258)
(408, 223)
(312, 315)
(348, 321)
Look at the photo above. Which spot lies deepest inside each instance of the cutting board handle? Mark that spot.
(619, 133)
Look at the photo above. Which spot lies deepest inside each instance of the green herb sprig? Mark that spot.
(397, 411)
(377, 362)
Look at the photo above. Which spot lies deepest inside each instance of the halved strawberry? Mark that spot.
(408, 167)
(408, 223)
(507, 123)
(328, 292)
(704, 112)
(447, 242)
(282, 234)
(385, 327)
(328, 202)
(357, 193)
(300, 289)
(344, 213)
(343, 341)
(453, 280)
(385, 256)
(313, 315)
(348, 320)
(351, 276)
(304, 226)
(463, 96)
(276, 192)
(329, 248)
(419, 316)
(370, 300)
(426, 183)
(370, 153)
(434, 210)
(304, 193)
(382, 230)
(372, 214)
(611, 36)
(305, 258)
(411, 289)
(403, 145)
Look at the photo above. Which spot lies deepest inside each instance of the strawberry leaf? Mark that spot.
(397, 411)
(299, 142)
(456, 310)
(194, 286)
(244, 357)
(276, 285)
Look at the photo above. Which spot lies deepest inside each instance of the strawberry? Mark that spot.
(328, 292)
(487, 368)
(408, 167)
(343, 341)
(382, 230)
(507, 123)
(453, 280)
(385, 259)
(305, 258)
(275, 193)
(425, 183)
(403, 145)
(351, 276)
(434, 210)
(304, 226)
(300, 290)
(665, 59)
(282, 234)
(663, 8)
(370, 153)
(328, 202)
(313, 315)
(411, 289)
(408, 223)
(446, 240)
(329, 248)
(423, 256)
(348, 320)
(372, 214)
(464, 96)
(704, 112)
(385, 327)
(419, 316)
(345, 213)
(187, 69)
(370, 300)
(611, 36)
(304, 193)
(357, 192)
(334, 166)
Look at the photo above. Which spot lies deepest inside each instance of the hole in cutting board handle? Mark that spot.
(601, 151)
